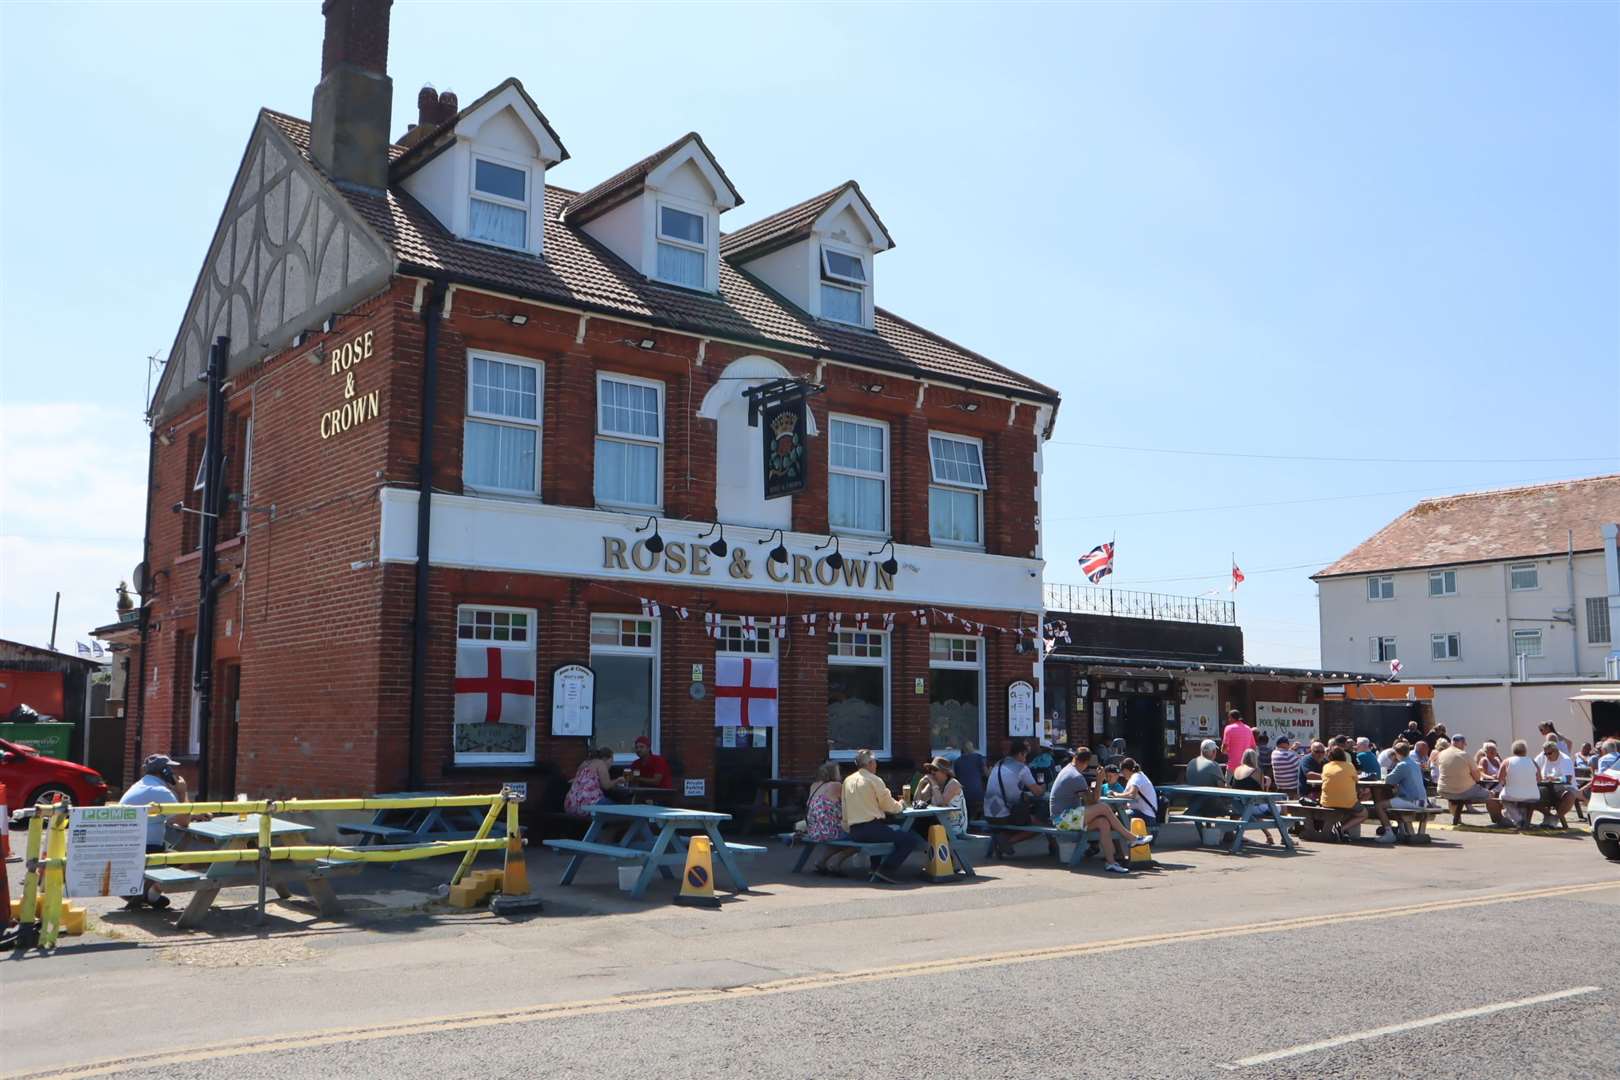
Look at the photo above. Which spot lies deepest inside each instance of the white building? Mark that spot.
(1505, 601)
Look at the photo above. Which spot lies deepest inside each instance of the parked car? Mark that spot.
(1604, 809)
(31, 777)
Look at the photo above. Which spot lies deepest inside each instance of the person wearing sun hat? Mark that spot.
(940, 787)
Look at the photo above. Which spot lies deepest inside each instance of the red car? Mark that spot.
(31, 777)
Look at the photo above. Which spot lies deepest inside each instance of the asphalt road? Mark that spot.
(1189, 977)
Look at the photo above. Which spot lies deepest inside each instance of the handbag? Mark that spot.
(1020, 812)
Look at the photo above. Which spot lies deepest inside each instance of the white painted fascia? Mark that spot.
(690, 151)
(849, 200)
(470, 125)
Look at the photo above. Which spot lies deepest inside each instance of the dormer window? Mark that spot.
(500, 204)
(843, 287)
(683, 250)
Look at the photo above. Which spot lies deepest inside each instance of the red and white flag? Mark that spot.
(494, 685)
(1394, 669)
(744, 691)
(1237, 577)
(1098, 563)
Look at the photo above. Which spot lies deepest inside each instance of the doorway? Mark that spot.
(222, 739)
(1142, 727)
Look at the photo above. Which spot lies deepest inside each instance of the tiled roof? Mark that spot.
(403, 160)
(786, 226)
(577, 270)
(622, 185)
(1486, 526)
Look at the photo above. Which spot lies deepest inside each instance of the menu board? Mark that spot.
(573, 700)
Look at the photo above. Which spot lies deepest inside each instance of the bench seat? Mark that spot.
(380, 832)
(610, 851)
(872, 851)
(177, 879)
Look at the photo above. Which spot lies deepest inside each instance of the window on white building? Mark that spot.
(735, 636)
(843, 287)
(1445, 646)
(683, 248)
(1598, 630)
(956, 497)
(857, 692)
(501, 438)
(857, 475)
(1442, 583)
(495, 685)
(1527, 643)
(1381, 587)
(1383, 650)
(624, 655)
(500, 204)
(629, 441)
(956, 692)
(1524, 576)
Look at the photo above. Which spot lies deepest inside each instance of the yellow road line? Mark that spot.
(658, 999)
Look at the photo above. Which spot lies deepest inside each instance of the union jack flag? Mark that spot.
(1098, 563)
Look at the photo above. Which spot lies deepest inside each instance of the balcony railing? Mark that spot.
(1130, 604)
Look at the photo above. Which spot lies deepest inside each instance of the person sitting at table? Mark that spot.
(1520, 794)
(1608, 756)
(649, 769)
(1459, 781)
(939, 787)
(1339, 792)
(1040, 761)
(1205, 771)
(1440, 747)
(824, 817)
(1072, 796)
(1489, 760)
(1420, 754)
(1248, 777)
(1367, 766)
(1406, 780)
(1014, 797)
(159, 782)
(1387, 759)
(970, 774)
(867, 803)
(593, 782)
(1285, 767)
(1555, 765)
(1311, 766)
(1112, 786)
(1262, 743)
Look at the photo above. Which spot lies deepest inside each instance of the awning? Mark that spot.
(1598, 693)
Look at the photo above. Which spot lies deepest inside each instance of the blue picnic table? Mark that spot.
(402, 826)
(229, 832)
(654, 836)
(1234, 803)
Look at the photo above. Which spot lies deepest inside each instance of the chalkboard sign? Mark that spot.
(573, 700)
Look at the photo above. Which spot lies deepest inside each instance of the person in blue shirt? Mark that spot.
(1367, 760)
(1610, 756)
(1407, 780)
(1111, 785)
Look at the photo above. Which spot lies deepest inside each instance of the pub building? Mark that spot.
(652, 445)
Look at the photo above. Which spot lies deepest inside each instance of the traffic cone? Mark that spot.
(940, 867)
(1142, 853)
(697, 880)
(5, 853)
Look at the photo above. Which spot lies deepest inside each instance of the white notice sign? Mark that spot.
(1020, 709)
(106, 850)
(1287, 718)
(1199, 714)
(573, 700)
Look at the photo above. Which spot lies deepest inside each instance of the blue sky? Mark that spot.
(1308, 231)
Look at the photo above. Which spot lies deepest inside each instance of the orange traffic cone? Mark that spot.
(697, 881)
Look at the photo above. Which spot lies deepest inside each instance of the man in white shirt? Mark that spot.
(159, 782)
(1553, 763)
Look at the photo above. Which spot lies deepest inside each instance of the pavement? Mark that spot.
(1200, 966)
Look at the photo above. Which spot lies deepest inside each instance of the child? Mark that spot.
(1111, 786)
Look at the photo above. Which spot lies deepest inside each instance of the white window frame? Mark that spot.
(707, 249)
(499, 419)
(1515, 568)
(835, 280)
(1597, 615)
(1381, 655)
(532, 616)
(1443, 577)
(954, 485)
(655, 650)
(1527, 636)
(1444, 641)
(977, 664)
(247, 477)
(844, 470)
(731, 645)
(1376, 583)
(888, 693)
(639, 440)
(526, 204)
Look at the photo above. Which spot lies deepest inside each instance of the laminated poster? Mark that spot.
(106, 850)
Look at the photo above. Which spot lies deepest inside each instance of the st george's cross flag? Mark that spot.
(1237, 577)
(744, 691)
(494, 699)
(1098, 563)
(1394, 669)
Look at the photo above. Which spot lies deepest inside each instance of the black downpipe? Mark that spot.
(202, 668)
(432, 312)
(144, 589)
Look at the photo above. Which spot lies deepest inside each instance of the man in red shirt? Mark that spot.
(1236, 740)
(652, 770)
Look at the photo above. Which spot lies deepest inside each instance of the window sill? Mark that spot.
(504, 496)
(488, 766)
(626, 508)
(955, 545)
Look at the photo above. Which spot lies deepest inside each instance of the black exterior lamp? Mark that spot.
(891, 565)
(655, 543)
(779, 553)
(719, 547)
(836, 559)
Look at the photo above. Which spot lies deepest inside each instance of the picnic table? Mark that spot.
(1241, 799)
(420, 825)
(654, 836)
(647, 794)
(230, 832)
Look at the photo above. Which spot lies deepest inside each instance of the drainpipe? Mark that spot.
(432, 312)
(208, 580)
(1574, 620)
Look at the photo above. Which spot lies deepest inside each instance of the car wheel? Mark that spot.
(1610, 846)
(48, 793)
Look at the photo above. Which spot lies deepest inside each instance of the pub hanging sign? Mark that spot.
(787, 459)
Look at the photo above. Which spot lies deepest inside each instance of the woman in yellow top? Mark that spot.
(1339, 793)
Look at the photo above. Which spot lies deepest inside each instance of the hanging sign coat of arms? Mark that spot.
(787, 460)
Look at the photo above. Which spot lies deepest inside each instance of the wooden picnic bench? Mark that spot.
(1227, 824)
(1411, 825)
(873, 852)
(657, 854)
(227, 833)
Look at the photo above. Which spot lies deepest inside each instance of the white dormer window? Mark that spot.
(683, 248)
(499, 213)
(843, 287)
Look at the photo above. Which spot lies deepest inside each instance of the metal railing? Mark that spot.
(1131, 604)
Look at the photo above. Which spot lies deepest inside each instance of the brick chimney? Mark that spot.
(348, 129)
(432, 110)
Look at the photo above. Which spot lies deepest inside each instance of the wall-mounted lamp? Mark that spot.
(719, 546)
(836, 559)
(655, 543)
(965, 406)
(873, 388)
(779, 553)
(518, 320)
(891, 565)
(1085, 687)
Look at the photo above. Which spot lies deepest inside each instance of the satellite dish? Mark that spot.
(137, 577)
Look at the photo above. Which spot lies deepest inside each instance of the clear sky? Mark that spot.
(1351, 231)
